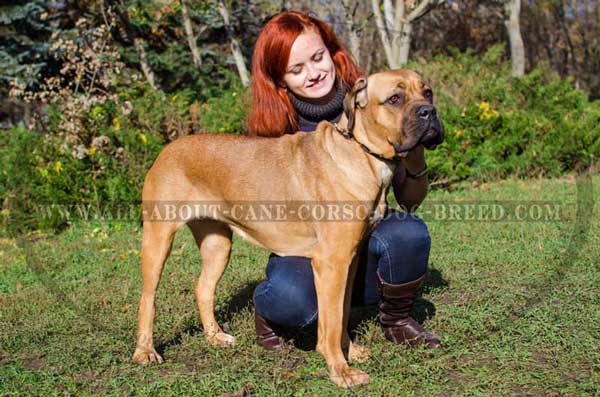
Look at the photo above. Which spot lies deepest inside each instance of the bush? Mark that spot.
(40, 172)
(225, 112)
(497, 125)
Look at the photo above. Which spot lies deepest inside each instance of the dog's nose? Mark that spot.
(426, 112)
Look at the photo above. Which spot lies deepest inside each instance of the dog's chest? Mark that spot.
(386, 173)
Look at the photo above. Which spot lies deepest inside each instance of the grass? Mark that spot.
(516, 304)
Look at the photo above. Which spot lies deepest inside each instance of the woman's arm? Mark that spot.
(411, 192)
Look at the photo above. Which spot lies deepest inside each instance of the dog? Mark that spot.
(385, 116)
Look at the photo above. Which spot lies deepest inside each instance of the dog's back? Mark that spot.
(220, 165)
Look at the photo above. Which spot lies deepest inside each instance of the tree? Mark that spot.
(25, 56)
(133, 36)
(350, 9)
(517, 50)
(566, 35)
(396, 30)
(189, 31)
(235, 47)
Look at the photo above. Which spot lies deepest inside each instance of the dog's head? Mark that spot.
(396, 112)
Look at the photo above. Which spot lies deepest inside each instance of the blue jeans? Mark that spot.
(398, 249)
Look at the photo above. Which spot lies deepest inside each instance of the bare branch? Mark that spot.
(422, 9)
(235, 47)
(189, 32)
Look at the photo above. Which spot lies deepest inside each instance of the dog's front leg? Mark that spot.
(331, 277)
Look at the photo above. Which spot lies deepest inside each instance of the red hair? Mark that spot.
(271, 112)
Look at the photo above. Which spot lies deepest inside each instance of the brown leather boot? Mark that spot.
(395, 308)
(265, 335)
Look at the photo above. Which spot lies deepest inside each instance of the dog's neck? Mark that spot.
(335, 142)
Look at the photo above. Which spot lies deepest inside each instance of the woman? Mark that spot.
(300, 74)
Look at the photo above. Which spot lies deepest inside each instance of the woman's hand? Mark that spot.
(410, 192)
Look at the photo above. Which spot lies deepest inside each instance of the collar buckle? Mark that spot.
(343, 131)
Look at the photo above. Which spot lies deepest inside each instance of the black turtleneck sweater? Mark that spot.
(310, 114)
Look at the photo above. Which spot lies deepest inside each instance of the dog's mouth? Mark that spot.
(429, 133)
(433, 137)
(403, 149)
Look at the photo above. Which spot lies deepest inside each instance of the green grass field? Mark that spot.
(517, 305)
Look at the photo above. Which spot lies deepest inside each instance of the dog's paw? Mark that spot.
(358, 353)
(349, 377)
(144, 356)
(221, 339)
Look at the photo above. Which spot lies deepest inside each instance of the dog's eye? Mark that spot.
(394, 100)
(428, 94)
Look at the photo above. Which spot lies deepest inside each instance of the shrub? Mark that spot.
(225, 112)
(497, 125)
(41, 171)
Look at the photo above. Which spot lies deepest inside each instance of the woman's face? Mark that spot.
(310, 71)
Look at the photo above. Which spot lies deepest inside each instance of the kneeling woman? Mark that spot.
(300, 74)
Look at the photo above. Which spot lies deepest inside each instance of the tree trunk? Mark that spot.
(235, 47)
(388, 13)
(385, 39)
(517, 49)
(286, 5)
(189, 32)
(138, 43)
(397, 30)
(146, 69)
(349, 13)
(404, 46)
(396, 40)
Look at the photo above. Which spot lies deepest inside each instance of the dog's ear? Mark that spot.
(357, 97)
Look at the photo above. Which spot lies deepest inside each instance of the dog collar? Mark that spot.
(349, 135)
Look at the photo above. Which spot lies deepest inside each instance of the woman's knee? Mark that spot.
(405, 231)
(401, 244)
(288, 297)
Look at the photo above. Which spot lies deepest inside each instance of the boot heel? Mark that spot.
(265, 335)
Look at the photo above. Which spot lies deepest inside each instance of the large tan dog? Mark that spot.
(352, 162)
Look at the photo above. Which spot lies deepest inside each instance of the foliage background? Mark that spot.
(81, 124)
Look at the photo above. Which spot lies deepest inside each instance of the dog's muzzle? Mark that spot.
(427, 130)
(430, 124)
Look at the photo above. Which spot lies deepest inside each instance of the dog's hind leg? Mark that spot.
(157, 241)
(214, 241)
(356, 352)
(331, 269)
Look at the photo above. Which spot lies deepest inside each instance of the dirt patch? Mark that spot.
(191, 364)
(457, 377)
(87, 376)
(570, 378)
(246, 391)
(292, 363)
(479, 360)
(318, 374)
(35, 363)
(540, 358)
(92, 381)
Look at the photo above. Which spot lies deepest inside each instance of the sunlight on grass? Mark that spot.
(68, 309)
